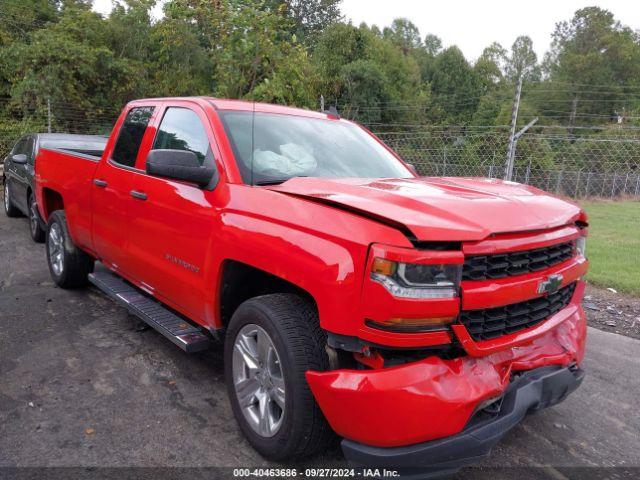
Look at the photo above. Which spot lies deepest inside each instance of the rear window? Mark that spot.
(126, 149)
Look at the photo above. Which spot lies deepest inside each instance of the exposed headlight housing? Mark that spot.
(581, 245)
(417, 281)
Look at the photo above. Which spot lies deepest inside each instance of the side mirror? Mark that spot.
(178, 165)
(412, 167)
(19, 158)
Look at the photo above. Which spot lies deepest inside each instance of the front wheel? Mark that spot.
(271, 341)
(68, 265)
(37, 232)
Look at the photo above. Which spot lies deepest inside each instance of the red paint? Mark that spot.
(510, 242)
(322, 235)
(444, 209)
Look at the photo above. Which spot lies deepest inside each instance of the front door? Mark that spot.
(111, 198)
(172, 221)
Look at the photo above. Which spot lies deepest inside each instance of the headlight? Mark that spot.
(418, 281)
(581, 245)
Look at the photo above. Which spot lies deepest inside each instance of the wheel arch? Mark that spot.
(52, 200)
(240, 281)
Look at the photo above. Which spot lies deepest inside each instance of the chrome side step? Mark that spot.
(185, 335)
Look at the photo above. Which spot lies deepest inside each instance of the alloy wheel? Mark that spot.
(33, 218)
(258, 380)
(55, 242)
(6, 197)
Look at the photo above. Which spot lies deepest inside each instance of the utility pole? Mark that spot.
(322, 103)
(48, 115)
(572, 117)
(516, 137)
(508, 169)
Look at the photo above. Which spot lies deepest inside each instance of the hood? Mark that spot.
(441, 209)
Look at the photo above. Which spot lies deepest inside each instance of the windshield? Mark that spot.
(286, 146)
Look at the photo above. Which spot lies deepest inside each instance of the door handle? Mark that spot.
(100, 183)
(138, 195)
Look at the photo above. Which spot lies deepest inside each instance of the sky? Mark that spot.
(474, 24)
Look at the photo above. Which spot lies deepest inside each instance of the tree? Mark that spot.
(523, 61)
(432, 44)
(455, 88)
(20, 17)
(365, 89)
(311, 17)
(490, 66)
(588, 52)
(257, 57)
(404, 34)
(426, 56)
(81, 70)
(368, 74)
(337, 46)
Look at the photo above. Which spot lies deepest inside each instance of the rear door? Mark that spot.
(111, 199)
(172, 222)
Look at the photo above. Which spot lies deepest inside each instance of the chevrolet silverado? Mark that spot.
(417, 318)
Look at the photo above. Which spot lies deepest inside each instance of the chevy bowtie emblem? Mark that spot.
(551, 284)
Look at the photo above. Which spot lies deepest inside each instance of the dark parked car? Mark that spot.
(19, 171)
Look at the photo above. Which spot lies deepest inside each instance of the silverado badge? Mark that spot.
(551, 284)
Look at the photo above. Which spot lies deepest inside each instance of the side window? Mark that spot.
(181, 129)
(21, 146)
(130, 136)
(30, 152)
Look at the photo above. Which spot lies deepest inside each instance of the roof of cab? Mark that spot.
(244, 106)
(248, 106)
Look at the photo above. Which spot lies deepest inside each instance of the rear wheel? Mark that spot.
(9, 208)
(271, 341)
(35, 227)
(68, 265)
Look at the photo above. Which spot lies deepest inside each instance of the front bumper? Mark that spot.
(435, 398)
(533, 390)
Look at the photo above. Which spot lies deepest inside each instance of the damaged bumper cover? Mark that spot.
(405, 406)
(534, 390)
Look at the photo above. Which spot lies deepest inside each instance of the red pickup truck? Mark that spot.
(418, 318)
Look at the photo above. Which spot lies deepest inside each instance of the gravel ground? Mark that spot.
(611, 311)
(82, 388)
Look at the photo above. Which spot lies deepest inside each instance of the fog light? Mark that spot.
(411, 324)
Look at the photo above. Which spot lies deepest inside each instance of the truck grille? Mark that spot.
(495, 322)
(484, 267)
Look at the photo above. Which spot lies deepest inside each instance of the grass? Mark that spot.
(613, 246)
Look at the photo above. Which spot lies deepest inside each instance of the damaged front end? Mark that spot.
(434, 397)
(502, 347)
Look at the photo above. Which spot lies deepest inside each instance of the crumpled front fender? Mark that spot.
(435, 398)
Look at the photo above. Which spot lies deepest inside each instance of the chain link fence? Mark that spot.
(580, 162)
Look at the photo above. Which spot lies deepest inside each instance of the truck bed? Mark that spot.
(91, 146)
(68, 171)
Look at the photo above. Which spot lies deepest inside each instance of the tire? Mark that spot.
(68, 265)
(38, 234)
(291, 324)
(9, 209)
